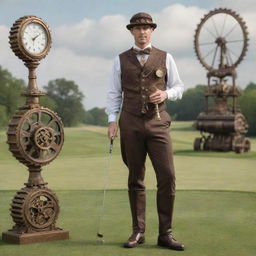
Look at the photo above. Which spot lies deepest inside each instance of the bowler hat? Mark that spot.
(141, 18)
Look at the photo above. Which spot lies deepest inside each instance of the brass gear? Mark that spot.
(35, 136)
(220, 39)
(34, 209)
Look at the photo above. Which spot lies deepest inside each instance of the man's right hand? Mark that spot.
(112, 130)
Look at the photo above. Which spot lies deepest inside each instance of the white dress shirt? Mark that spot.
(174, 85)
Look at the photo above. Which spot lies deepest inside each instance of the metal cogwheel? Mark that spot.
(222, 34)
(35, 136)
(34, 209)
(16, 35)
(241, 144)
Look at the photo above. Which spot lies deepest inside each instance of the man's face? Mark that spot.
(142, 34)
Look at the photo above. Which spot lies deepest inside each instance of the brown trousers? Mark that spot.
(142, 135)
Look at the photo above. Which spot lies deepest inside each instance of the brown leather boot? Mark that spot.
(134, 240)
(169, 242)
(137, 203)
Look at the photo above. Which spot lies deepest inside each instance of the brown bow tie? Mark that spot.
(141, 52)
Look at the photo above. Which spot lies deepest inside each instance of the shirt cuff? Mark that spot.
(172, 94)
(112, 117)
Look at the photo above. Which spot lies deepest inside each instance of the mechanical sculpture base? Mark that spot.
(223, 143)
(28, 238)
(226, 132)
(34, 210)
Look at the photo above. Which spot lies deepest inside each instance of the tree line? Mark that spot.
(192, 103)
(64, 97)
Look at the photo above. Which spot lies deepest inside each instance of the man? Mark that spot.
(142, 79)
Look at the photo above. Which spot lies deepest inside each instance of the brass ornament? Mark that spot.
(221, 42)
(159, 73)
(35, 136)
(34, 210)
(17, 43)
(153, 89)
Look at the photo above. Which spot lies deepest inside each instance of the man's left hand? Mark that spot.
(158, 97)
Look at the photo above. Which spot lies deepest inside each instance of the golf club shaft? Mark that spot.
(106, 176)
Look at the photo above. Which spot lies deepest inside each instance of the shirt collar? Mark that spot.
(136, 47)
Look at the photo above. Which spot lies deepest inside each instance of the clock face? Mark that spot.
(34, 38)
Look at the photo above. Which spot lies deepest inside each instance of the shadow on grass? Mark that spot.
(70, 242)
(93, 243)
(90, 243)
(83, 243)
(191, 152)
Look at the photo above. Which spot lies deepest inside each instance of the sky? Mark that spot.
(88, 34)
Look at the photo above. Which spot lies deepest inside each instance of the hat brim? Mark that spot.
(129, 26)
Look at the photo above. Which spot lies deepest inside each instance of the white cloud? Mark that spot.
(104, 37)
(109, 36)
(90, 73)
(84, 51)
(193, 73)
(177, 24)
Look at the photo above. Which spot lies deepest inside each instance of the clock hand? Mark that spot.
(34, 38)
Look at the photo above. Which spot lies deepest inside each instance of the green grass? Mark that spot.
(215, 206)
(84, 158)
(209, 223)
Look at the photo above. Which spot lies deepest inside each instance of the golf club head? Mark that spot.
(100, 235)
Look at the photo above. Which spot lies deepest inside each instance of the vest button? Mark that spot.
(143, 88)
(142, 80)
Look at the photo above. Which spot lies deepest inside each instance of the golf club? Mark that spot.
(106, 175)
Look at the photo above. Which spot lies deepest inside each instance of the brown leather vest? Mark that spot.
(139, 82)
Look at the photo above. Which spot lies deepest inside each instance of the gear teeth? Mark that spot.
(20, 210)
(244, 31)
(14, 39)
(16, 142)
